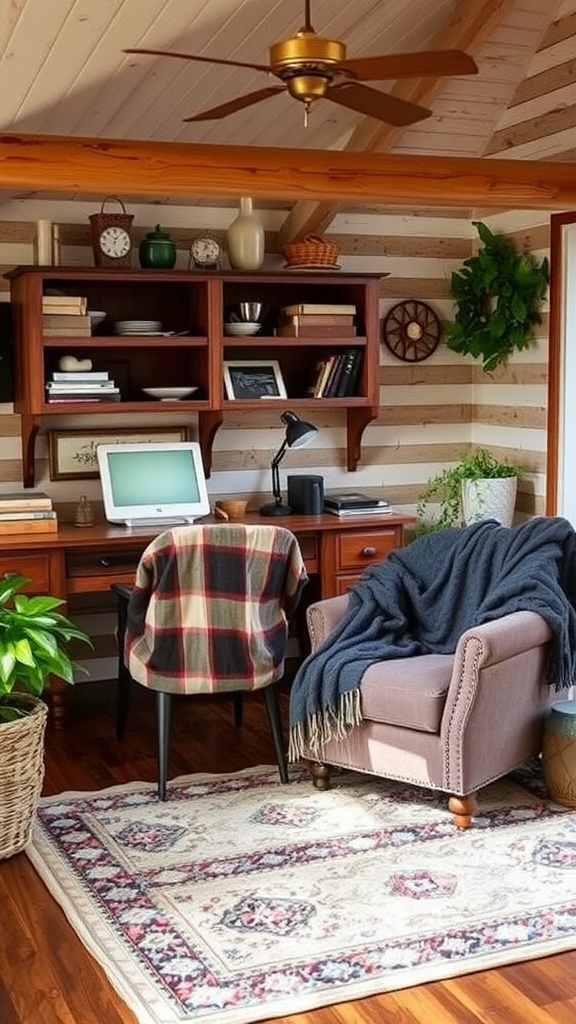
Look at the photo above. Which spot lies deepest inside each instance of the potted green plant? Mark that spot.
(498, 293)
(463, 492)
(33, 647)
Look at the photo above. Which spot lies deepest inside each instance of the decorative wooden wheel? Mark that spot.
(411, 330)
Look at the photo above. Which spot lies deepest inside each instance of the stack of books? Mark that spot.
(27, 512)
(336, 376)
(354, 503)
(317, 320)
(81, 386)
(65, 316)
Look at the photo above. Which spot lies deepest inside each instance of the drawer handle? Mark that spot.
(369, 552)
(9, 575)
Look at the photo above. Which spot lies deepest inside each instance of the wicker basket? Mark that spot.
(311, 251)
(21, 774)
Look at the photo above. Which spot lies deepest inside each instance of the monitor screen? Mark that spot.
(153, 483)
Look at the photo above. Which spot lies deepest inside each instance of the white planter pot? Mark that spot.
(489, 499)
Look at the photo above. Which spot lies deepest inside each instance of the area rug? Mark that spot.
(240, 899)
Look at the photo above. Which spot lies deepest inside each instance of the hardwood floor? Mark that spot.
(46, 975)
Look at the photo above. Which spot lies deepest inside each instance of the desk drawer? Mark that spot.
(35, 567)
(360, 548)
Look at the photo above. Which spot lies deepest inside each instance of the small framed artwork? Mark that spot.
(249, 379)
(72, 453)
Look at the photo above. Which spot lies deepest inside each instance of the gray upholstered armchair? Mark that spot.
(450, 722)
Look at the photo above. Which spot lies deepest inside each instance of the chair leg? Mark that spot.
(163, 708)
(124, 677)
(273, 712)
(238, 698)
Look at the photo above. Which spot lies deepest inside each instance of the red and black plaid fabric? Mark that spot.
(209, 608)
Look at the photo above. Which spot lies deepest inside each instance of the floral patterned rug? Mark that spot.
(239, 899)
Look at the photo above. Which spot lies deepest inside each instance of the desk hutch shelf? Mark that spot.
(192, 307)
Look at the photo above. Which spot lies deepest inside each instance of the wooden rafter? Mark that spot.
(472, 21)
(96, 167)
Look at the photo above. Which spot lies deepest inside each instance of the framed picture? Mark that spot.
(72, 453)
(247, 379)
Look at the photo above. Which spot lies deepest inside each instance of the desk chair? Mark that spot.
(208, 613)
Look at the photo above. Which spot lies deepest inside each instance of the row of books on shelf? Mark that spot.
(82, 386)
(337, 375)
(27, 512)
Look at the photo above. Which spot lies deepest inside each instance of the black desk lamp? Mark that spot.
(298, 433)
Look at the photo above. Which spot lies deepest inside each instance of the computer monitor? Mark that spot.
(153, 484)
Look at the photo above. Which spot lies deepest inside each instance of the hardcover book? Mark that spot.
(352, 500)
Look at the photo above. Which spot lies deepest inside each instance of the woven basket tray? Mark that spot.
(312, 250)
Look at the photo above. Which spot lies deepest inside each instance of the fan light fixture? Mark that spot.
(298, 434)
(312, 67)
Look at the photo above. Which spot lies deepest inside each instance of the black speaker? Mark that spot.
(306, 494)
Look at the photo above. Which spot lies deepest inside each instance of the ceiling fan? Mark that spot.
(312, 67)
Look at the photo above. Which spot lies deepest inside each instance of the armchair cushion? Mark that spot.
(410, 692)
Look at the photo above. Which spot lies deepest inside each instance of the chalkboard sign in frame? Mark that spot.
(248, 380)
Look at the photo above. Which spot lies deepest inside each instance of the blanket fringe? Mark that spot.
(331, 723)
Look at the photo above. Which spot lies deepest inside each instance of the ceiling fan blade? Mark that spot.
(381, 105)
(238, 104)
(410, 65)
(204, 60)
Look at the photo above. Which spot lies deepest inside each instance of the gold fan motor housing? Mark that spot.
(306, 48)
(310, 54)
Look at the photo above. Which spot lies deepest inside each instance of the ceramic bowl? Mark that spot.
(170, 394)
(240, 329)
(97, 316)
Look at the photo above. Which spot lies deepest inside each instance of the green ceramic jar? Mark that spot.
(157, 251)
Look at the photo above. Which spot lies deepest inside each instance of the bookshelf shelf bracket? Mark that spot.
(358, 420)
(30, 426)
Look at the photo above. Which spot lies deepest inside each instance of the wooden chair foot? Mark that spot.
(320, 775)
(462, 809)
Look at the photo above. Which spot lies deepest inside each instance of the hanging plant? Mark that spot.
(498, 294)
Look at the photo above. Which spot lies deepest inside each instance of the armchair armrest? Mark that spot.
(505, 637)
(496, 700)
(323, 616)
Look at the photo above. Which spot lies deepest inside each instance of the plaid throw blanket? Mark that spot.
(209, 608)
(422, 598)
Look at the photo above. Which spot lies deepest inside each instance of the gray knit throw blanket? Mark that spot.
(421, 599)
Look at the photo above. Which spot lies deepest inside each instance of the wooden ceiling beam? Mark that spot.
(95, 167)
(471, 23)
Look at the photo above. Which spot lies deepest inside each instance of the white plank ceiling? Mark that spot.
(63, 72)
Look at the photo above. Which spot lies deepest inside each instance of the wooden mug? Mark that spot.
(230, 509)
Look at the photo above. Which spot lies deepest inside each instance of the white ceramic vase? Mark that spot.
(489, 499)
(246, 239)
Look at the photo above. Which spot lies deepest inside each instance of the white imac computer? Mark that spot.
(153, 484)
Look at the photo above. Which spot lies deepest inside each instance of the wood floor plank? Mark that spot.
(48, 977)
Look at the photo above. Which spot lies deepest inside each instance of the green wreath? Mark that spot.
(498, 294)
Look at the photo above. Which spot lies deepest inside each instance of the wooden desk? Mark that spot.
(87, 560)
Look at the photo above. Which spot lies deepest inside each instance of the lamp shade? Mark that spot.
(298, 432)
